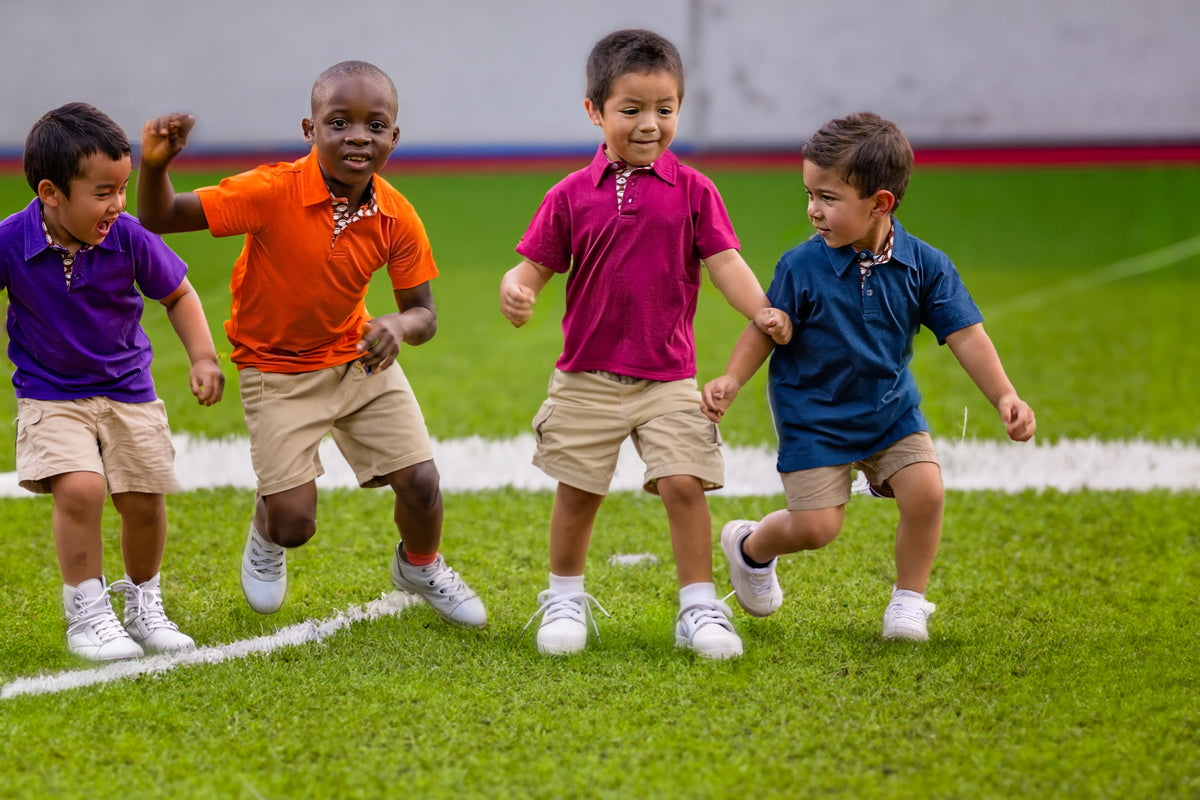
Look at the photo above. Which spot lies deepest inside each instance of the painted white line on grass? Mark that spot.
(475, 464)
(1126, 268)
(301, 633)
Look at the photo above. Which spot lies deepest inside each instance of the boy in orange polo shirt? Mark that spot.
(310, 359)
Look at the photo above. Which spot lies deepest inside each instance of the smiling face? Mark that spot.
(85, 215)
(639, 116)
(354, 129)
(843, 217)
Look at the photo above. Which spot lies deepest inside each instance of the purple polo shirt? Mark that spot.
(635, 270)
(86, 341)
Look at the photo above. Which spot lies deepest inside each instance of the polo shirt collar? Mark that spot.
(665, 167)
(35, 237)
(903, 251)
(313, 190)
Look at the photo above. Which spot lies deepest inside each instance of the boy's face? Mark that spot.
(840, 215)
(354, 130)
(97, 198)
(639, 117)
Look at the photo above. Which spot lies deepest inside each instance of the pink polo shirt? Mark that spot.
(634, 268)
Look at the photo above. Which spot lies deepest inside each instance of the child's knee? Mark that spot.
(291, 527)
(418, 486)
(813, 529)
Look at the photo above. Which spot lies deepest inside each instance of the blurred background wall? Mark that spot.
(495, 77)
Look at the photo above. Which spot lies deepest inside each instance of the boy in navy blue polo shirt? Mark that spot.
(841, 391)
(88, 420)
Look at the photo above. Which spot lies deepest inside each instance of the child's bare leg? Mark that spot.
(783, 532)
(288, 518)
(78, 506)
(920, 497)
(691, 527)
(571, 524)
(143, 532)
(418, 510)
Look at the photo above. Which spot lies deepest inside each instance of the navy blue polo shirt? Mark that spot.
(86, 339)
(842, 389)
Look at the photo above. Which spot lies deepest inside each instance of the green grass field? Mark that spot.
(1064, 660)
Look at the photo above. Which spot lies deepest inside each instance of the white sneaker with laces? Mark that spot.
(264, 573)
(146, 621)
(93, 630)
(907, 616)
(441, 587)
(705, 627)
(757, 590)
(565, 617)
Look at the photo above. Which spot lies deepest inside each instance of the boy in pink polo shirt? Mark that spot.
(633, 230)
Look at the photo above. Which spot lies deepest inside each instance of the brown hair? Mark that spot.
(629, 51)
(869, 153)
(59, 142)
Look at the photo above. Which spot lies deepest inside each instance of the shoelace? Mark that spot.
(267, 564)
(147, 600)
(444, 579)
(92, 612)
(905, 612)
(575, 606)
(708, 612)
(760, 582)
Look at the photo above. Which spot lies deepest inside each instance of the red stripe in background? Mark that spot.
(1047, 156)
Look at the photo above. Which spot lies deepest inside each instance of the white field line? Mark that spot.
(300, 633)
(474, 464)
(1126, 268)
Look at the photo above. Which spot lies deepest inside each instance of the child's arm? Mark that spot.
(159, 208)
(736, 282)
(186, 315)
(751, 350)
(519, 288)
(415, 323)
(974, 350)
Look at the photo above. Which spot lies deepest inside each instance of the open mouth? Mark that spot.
(104, 227)
(358, 158)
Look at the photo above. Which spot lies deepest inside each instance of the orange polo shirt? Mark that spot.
(299, 295)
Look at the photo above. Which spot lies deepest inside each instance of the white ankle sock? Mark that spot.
(566, 584)
(695, 593)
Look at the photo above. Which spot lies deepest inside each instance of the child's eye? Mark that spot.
(666, 111)
(337, 124)
(378, 127)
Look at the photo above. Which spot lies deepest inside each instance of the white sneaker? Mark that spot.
(145, 620)
(565, 617)
(706, 628)
(757, 589)
(264, 573)
(442, 588)
(93, 630)
(907, 616)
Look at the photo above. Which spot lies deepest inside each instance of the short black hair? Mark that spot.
(59, 142)
(345, 69)
(629, 51)
(869, 153)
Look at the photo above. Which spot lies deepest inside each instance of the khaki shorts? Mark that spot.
(128, 443)
(375, 421)
(587, 416)
(829, 487)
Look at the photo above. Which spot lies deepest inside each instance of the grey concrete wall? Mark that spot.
(477, 74)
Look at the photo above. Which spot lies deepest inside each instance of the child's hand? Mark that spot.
(774, 323)
(380, 343)
(206, 381)
(516, 301)
(717, 396)
(1017, 417)
(164, 137)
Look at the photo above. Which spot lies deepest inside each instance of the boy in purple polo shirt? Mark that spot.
(88, 421)
(841, 391)
(633, 229)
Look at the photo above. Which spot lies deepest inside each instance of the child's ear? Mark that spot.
(593, 113)
(48, 193)
(885, 201)
(306, 125)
